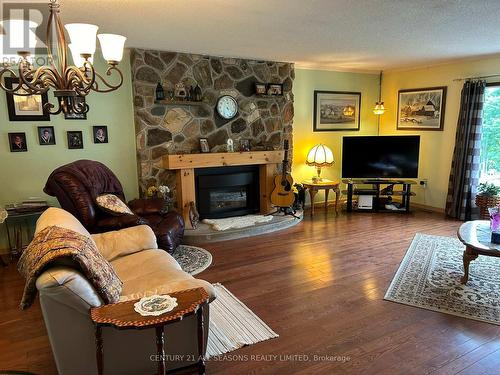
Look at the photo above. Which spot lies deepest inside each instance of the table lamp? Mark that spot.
(320, 156)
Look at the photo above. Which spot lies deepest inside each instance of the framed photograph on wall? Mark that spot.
(75, 140)
(46, 135)
(336, 111)
(100, 133)
(17, 142)
(421, 109)
(79, 100)
(25, 108)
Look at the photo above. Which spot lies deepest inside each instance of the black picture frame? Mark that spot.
(76, 116)
(413, 122)
(75, 139)
(98, 136)
(46, 135)
(274, 89)
(15, 113)
(338, 122)
(15, 145)
(244, 145)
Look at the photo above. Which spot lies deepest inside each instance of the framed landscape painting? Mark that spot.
(421, 109)
(336, 110)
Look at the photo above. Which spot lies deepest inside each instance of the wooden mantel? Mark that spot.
(185, 164)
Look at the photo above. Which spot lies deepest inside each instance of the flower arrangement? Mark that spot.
(488, 190)
(152, 191)
(164, 190)
(488, 195)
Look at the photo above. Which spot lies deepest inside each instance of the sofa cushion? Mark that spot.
(123, 242)
(154, 272)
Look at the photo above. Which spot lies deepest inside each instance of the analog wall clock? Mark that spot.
(227, 107)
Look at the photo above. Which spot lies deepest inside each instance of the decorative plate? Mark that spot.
(155, 305)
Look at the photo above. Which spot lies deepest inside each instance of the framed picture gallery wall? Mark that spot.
(336, 111)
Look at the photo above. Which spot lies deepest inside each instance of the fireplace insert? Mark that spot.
(227, 191)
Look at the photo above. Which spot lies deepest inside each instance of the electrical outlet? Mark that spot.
(423, 183)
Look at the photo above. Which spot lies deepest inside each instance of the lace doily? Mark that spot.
(155, 305)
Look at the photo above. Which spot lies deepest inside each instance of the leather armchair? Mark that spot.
(76, 186)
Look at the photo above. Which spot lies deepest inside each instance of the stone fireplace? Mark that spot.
(168, 129)
(227, 191)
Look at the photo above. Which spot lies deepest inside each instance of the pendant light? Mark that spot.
(379, 108)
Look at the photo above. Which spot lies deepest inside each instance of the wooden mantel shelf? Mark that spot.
(221, 159)
(185, 166)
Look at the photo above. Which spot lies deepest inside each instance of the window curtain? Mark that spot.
(464, 176)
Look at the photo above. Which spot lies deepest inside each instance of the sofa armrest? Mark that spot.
(143, 207)
(125, 242)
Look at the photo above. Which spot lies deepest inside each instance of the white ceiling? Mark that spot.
(358, 35)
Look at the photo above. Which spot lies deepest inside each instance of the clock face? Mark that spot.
(227, 107)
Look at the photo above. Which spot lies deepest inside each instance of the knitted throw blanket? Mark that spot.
(54, 243)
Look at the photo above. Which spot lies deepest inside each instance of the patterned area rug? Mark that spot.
(429, 277)
(192, 259)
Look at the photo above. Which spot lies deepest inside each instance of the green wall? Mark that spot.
(24, 174)
(306, 81)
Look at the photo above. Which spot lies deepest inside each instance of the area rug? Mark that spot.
(237, 222)
(233, 325)
(429, 278)
(192, 259)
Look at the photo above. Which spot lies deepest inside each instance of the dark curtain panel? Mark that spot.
(464, 176)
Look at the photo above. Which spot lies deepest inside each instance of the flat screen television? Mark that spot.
(380, 156)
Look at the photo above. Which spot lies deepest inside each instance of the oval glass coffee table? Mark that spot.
(476, 236)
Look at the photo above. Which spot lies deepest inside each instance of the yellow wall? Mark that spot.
(306, 81)
(436, 150)
(24, 174)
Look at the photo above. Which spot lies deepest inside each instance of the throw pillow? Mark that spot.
(113, 205)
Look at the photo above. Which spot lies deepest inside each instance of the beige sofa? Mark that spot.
(66, 297)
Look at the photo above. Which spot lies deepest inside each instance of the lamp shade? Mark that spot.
(78, 60)
(112, 46)
(379, 108)
(320, 156)
(83, 36)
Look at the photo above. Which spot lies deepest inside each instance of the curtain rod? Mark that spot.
(480, 77)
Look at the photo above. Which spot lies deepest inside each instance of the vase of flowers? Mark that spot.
(164, 192)
(488, 195)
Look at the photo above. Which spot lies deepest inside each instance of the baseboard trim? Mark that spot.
(424, 207)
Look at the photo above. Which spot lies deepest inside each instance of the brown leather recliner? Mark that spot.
(76, 186)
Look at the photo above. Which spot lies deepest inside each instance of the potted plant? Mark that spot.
(488, 195)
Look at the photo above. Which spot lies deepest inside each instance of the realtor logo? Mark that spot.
(23, 27)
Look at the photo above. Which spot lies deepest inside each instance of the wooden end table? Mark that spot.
(326, 185)
(122, 315)
(476, 236)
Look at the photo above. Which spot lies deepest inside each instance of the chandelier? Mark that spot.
(69, 82)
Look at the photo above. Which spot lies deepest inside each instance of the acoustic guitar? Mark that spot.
(282, 194)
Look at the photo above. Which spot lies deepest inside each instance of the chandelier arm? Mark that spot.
(78, 79)
(32, 79)
(61, 42)
(47, 107)
(111, 87)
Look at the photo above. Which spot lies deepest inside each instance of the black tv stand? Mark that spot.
(380, 196)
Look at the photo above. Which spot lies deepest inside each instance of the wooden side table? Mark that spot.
(122, 315)
(326, 185)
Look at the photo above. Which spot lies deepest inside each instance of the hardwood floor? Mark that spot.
(320, 286)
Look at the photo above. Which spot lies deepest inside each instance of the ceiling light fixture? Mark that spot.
(68, 81)
(379, 108)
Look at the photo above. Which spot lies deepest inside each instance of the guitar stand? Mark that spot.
(285, 210)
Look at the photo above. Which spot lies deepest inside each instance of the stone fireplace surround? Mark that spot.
(164, 130)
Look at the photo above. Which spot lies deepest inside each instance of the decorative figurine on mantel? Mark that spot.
(180, 91)
(230, 145)
(160, 93)
(197, 94)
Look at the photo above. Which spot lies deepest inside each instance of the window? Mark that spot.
(490, 141)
